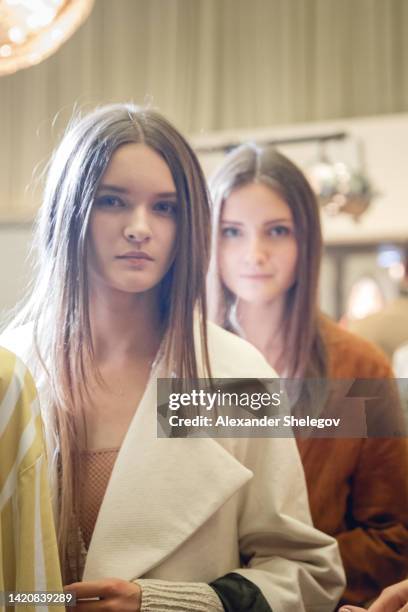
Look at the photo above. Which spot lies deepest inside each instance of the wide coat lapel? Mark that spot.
(160, 492)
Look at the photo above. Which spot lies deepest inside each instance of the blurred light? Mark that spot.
(365, 298)
(5, 51)
(30, 30)
(24, 4)
(56, 33)
(388, 256)
(397, 271)
(33, 58)
(17, 35)
(42, 17)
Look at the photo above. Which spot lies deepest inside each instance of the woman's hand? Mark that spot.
(393, 599)
(108, 595)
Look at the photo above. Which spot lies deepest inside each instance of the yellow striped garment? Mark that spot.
(28, 547)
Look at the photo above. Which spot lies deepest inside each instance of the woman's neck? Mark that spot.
(262, 326)
(125, 325)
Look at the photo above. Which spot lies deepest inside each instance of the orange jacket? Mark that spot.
(358, 488)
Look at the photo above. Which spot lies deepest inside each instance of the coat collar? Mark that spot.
(161, 491)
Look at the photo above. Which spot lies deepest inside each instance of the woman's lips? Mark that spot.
(257, 276)
(136, 256)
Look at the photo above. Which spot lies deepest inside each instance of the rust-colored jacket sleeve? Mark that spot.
(358, 488)
(374, 544)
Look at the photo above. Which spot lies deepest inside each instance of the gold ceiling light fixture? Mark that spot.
(31, 30)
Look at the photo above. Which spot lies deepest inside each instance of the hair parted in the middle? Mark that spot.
(57, 305)
(252, 163)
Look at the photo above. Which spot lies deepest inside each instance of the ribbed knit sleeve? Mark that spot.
(164, 596)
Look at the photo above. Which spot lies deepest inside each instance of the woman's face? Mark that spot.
(258, 251)
(132, 232)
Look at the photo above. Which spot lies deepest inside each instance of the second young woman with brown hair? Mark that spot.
(263, 285)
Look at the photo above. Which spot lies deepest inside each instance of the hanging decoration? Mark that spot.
(31, 30)
(340, 187)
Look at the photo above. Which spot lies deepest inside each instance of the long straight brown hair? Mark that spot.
(58, 303)
(304, 351)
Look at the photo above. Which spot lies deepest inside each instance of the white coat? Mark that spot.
(196, 509)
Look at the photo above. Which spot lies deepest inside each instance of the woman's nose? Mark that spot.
(255, 254)
(138, 228)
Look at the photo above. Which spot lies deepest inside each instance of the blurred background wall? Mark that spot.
(225, 69)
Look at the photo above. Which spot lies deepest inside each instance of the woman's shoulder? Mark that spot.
(351, 355)
(233, 357)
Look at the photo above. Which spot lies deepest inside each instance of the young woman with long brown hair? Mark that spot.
(119, 300)
(263, 286)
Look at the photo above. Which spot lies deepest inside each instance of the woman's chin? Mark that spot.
(131, 288)
(260, 296)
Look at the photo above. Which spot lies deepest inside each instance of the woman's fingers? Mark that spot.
(108, 594)
(393, 599)
(89, 589)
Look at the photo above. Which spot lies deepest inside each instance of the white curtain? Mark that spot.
(207, 65)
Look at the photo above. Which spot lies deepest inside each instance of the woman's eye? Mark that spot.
(279, 230)
(229, 232)
(166, 208)
(109, 202)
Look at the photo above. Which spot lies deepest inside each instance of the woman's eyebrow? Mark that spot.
(226, 221)
(269, 222)
(118, 189)
(281, 220)
(166, 194)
